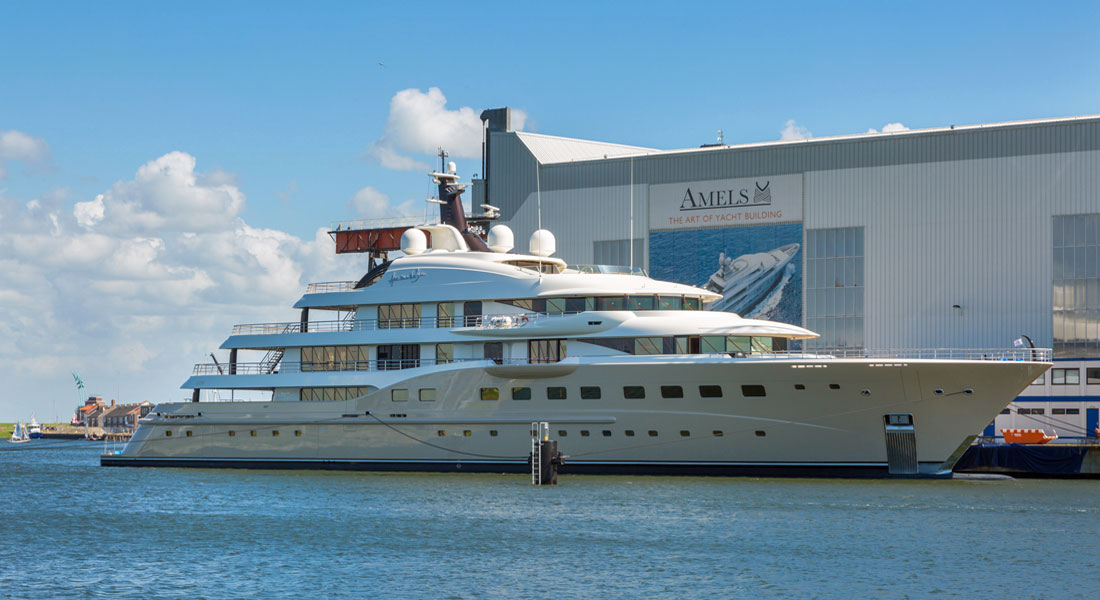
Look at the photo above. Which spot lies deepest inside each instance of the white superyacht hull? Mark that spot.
(834, 426)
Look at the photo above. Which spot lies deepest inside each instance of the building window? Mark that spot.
(1041, 380)
(490, 393)
(1092, 376)
(494, 351)
(398, 356)
(555, 393)
(672, 391)
(1038, 411)
(399, 395)
(427, 394)
(545, 351)
(590, 392)
(633, 392)
(1076, 286)
(617, 252)
(1065, 376)
(398, 316)
(521, 393)
(834, 287)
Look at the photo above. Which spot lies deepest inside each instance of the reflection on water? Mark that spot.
(73, 529)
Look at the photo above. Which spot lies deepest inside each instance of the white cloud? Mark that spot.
(420, 123)
(131, 282)
(370, 203)
(889, 128)
(794, 131)
(18, 146)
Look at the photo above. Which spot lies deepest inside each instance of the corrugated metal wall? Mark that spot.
(952, 217)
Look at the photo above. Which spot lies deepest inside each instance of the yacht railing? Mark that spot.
(331, 286)
(478, 321)
(609, 269)
(989, 354)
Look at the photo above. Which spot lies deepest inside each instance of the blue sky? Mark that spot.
(283, 106)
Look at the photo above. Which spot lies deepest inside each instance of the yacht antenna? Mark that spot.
(631, 236)
(442, 159)
(538, 202)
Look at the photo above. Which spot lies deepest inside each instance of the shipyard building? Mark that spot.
(975, 236)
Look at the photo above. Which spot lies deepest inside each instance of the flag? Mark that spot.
(1018, 342)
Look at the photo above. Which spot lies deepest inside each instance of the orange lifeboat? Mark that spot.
(1027, 436)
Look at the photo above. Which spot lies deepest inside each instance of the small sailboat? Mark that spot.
(20, 435)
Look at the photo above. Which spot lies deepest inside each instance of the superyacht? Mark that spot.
(449, 352)
(744, 281)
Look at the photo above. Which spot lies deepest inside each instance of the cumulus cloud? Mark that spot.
(419, 123)
(889, 128)
(132, 282)
(19, 146)
(794, 131)
(369, 202)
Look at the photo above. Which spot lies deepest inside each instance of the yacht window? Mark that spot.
(495, 351)
(753, 391)
(799, 386)
(710, 391)
(187, 433)
(562, 433)
(761, 344)
(398, 316)
(492, 433)
(589, 303)
(555, 393)
(641, 302)
(621, 344)
(672, 391)
(555, 306)
(691, 303)
(427, 395)
(491, 393)
(610, 303)
(167, 434)
(761, 433)
(590, 392)
(399, 395)
(607, 433)
(648, 345)
(629, 433)
(252, 433)
(710, 344)
(545, 351)
(445, 314)
(297, 433)
(738, 344)
(685, 433)
(441, 433)
(398, 356)
(670, 302)
(444, 353)
(471, 312)
(521, 393)
(834, 386)
(232, 433)
(584, 433)
(717, 433)
(633, 392)
(652, 433)
(335, 358)
(274, 433)
(467, 433)
(574, 305)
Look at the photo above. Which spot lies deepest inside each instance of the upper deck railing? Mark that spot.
(401, 221)
(889, 357)
(331, 286)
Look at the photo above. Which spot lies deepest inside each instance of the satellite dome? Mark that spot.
(413, 241)
(501, 239)
(542, 243)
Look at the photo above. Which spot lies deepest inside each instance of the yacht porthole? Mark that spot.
(939, 392)
(865, 392)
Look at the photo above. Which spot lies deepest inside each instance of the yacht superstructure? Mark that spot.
(451, 351)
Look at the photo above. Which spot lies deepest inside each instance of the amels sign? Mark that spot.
(726, 202)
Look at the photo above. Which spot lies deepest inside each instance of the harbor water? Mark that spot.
(72, 529)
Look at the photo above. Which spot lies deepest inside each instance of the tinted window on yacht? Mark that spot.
(574, 305)
(444, 353)
(398, 356)
(649, 345)
(427, 395)
(629, 433)
(672, 391)
(633, 392)
(495, 351)
(710, 391)
(610, 303)
(555, 306)
(399, 395)
(521, 393)
(670, 303)
(491, 393)
(590, 392)
(584, 433)
(692, 303)
(545, 351)
(555, 393)
(471, 311)
(641, 302)
(445, 314)
(753, 391)
(398, 316)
